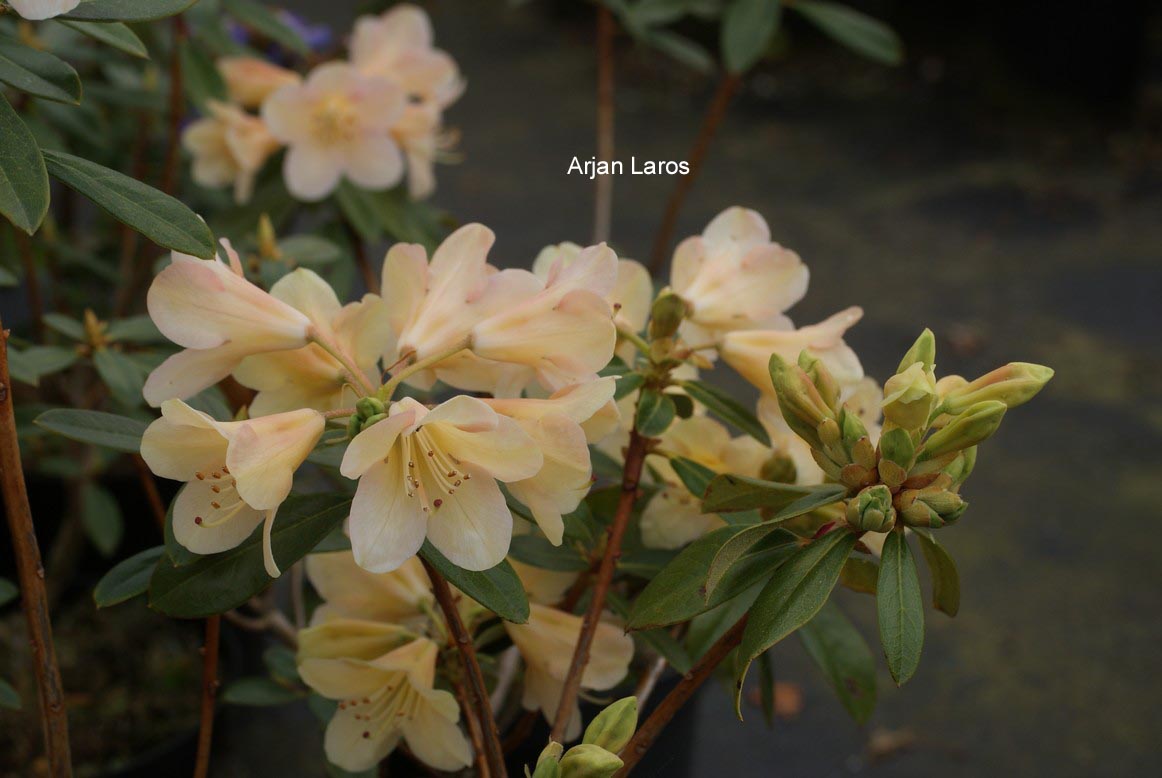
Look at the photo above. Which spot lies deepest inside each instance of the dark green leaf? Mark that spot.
(842, 654)
(154, 214)
(679, 48)
(200, 76)
(101, 517)
(857, 31)
(38, 73)
(112, 34)
(8, 697)
(23, 178)
(35, 362)
(135, 329)
(628, 384)
(655, 412)
(945, 578)
(683, 405)
(358, 206)
(65, 325)
(8, 592)
(537, 551)
(258, 691)
(740, 493)
(127, 579)
(792, 597)
(860, 575)
(260, 19)
(707, 628)
(695, 477)
(747, 29)
(218, 582)
(124, 377)
(900, 608)
(127, 10)
(101, 429)
(309, 250)
(659, 640)
(726, 408)
(498, 589)
(767, 687)
(280, 661)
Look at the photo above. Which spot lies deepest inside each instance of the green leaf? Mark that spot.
(498, 589)
(8, 592)
(258, 691)
(659, 640)
(101, 429)
(8, 697)
(23, 179)
(127, 10)
(127, 579)
(537, 551)
(65, 325)
(261, 20)
(860, 575)
(33, 363)
(176, 554)
(900, 608)
(135, 329)
(945, 578)
(747, 29)
(154, 214)
(627, 385)
(679, 48)
(767, 687)
(695, 477)
(38, 73)
(727, 493)
(792, 597)
(677, 593)
(707, 628)
(112, 34)
(200, 76)
(124, 377)
(841, 653)
(358, 206)
(655, 412)
(218, 582)
(101, 518)
(857, 31)
(726, 408)
(280, 662)
(309, 250)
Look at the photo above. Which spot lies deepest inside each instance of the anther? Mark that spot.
(215, 505)
(201, 476)
(197, 520)
(437, 502)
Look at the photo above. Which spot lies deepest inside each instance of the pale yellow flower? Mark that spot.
(237, 473)
(250, 80)
(43, 9)
(310, 377)
(433, 473)
(397, 46)
(229, 147)
(421, 135)
(402, 596)
(337, 124)
(547, 587)
(219, 317)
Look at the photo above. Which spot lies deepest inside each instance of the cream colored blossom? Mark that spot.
(433, 473)
(402, 596)
(229, 147)
(311, 377)
(674, 517)
(237, 473)
(337, 124)
(43, 9)
(421, 135)
(397, 46)
(220, 318)
(546, 644)
(250, 80)
(387, 700)
(733, 277)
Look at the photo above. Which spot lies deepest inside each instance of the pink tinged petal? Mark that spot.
(373, 162)
(386, 526)
(740, 226)
(188, 372)
(374, 445)
(380, 104)
(421, 175)
(404, 282)
(182, 443)
(361, 328)
(311, 172)
(473, 527)
(265, 452)
(594, 269)
(688, 259)
(287, 113)
(204, 529)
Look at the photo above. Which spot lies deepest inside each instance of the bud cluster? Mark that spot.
(596, 755)
(368, 411)
(929, 442)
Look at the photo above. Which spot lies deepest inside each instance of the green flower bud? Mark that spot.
(1014, 384)
(373, 419)
(922, 351)
(802, 407)
(961, 468)
(666, 315)
(267, 240)
(780, 468)
(589, 761)
(930, 507)
(896, 446)
(354, 425)
(891, 474)
(613, 727)
(909, 397)
(548, 763)
(820, 376)
(369, 406)
(872, 510)
(975, 425)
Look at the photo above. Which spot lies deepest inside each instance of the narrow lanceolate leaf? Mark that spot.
(112, 34)
(900, 608)
(359, 208)
(260, 19)
(945, 578)
(660, 640)
(218, 582)
(127, 10)
(838, 649)
(38, 73)
(792, 597)
(23, 178)
(124, 377)
(655, 412)
(153, 213)
(726, 408)
(747, 29)
(498, 589)
(100, 429)
(200, 76)
(35, 362)
(101, 518)
(857, 31)
(127, 579)
(695, 477)
(740, 493)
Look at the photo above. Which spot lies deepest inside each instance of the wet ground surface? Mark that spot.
(1019, 226)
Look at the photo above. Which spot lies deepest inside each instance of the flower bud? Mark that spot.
(871, 510)
(822, 378)
(267, 240)
(922, 351)
(354, 425)
(802, 407)
(1014, 384)
(930, 507)
(369, 406)
(976, 424)
(896, 446)
(909, 397)
(613, 727)
(373, 419)
(666, 315)
(960, 468)
(548, 763)
(589, 761)
(780, 468)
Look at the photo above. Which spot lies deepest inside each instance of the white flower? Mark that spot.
(237, 473)
(229, 147)
(43, 9)
(433, 473)
(398, 46)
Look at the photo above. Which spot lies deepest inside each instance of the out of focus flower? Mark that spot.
(310, 377)
(229, 147)
(220, 318)
(433, 473)
(421, 135)
(397, 46)
(337, 124)
(401, 596)
(250, 80)
(43, 9)
(237, 473)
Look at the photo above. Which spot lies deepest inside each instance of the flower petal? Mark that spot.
(386, 526)
(473, 527)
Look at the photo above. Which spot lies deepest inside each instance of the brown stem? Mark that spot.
(30, 572)
(209, 695)
(634, 460)
(127, 260)
(361, 258)
(641, 741)
(715, 112)
(603, 196)
(149, 486)
(473, 726)
(177, 105)
(477, 691)
(31, 284)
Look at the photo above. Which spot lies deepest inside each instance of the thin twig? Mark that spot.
(31, 284)
(727, 86)
(30, 571)
(649, 680)
(603, 196)
(149, 486)
(474, 733)
(361, 258)
(477, 691)
(177, 108)
(641, 741)
(209, 696)
(634, 460)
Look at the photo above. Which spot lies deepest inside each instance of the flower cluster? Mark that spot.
(368, 119)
